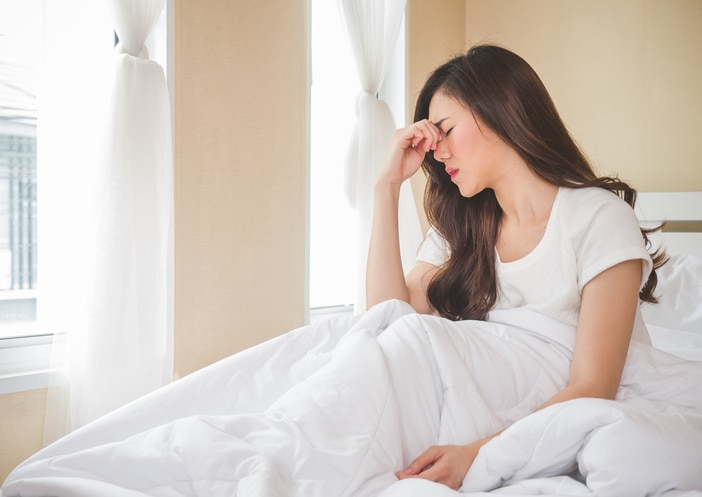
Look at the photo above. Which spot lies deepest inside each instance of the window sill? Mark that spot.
(21, 382)
(318, 314)
(24, 363)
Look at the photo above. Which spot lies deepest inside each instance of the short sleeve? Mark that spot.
(434, 249)
(612, 236)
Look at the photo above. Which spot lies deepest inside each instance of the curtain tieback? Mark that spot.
(143, 52)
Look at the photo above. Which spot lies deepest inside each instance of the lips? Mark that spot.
(451, 172)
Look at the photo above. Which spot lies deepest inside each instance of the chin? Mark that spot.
(469, 192)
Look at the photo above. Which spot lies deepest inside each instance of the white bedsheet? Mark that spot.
(336, 408)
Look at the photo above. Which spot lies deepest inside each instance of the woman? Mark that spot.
(518, 219)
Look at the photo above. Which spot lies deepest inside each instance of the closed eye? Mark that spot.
(448, 132)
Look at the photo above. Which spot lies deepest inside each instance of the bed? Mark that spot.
(335, 408)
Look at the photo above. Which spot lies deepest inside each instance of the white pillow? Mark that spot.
(679, 294)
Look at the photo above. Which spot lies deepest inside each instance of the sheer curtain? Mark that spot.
(373, 27)
(107, 296)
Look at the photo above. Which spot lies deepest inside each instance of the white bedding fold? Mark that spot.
(335, 409)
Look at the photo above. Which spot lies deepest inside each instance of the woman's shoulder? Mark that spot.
(590, 201)
(603, 230)
(594, 211)
(591, 194)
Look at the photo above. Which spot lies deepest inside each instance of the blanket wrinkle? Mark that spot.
(609, 440)
(366, 460)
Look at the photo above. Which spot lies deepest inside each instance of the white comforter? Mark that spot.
(335, 409)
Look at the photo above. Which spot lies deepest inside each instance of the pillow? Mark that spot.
(679, 294)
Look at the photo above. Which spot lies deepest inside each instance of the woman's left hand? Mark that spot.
(447, 464)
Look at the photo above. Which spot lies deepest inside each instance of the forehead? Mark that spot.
(443, 106)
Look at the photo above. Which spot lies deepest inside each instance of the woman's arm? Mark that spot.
(385, 278)
(607, 313)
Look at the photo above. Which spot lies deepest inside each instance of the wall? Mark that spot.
(21, 427)
(240, 175)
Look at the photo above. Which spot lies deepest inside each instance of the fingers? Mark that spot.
(420, 464)
(442, 464)
(422, 135)
(410, 145)
(440, 474)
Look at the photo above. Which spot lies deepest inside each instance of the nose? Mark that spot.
(442, 153)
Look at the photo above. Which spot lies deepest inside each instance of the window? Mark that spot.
(332, 221)
(20, 38)
(25, 350)
(335, 88)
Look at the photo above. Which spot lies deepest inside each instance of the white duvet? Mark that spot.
(334, 409)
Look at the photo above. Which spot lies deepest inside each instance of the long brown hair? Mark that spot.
(507, 95)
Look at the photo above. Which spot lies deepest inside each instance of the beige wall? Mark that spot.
(21, 427)
(240, 175)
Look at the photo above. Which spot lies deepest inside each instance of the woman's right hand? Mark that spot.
(407, 152)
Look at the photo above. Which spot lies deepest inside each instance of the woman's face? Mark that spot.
(470, 151)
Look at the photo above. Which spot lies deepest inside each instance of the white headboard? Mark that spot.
(682, 212)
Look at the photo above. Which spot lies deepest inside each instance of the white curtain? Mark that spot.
(108, 297)
(373, 27)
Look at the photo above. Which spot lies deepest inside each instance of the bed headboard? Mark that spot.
(682, 212)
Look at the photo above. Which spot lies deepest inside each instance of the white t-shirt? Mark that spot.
(589, 230)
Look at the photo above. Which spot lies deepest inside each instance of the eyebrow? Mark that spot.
(438, 123)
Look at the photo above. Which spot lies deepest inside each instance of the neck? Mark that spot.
(525, 198)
